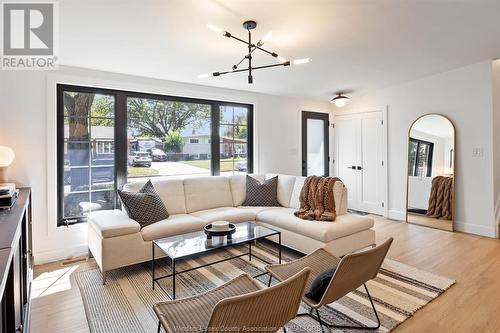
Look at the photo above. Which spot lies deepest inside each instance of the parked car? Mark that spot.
(139, 158)
(157, 155)
(241, 166)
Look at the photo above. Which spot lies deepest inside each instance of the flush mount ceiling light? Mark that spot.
(249, 26)
(340, 100)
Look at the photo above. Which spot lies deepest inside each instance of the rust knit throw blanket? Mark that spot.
(441, 199)
(316, 199)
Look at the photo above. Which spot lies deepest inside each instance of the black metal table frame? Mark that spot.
(173, 260)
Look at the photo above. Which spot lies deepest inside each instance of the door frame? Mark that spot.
(384, 149)
(321, 116)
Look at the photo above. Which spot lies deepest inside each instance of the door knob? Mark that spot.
(352, 167)
(359, 167)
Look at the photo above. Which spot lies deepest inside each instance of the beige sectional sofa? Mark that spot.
(115, 240)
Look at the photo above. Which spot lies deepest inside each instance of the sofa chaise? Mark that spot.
(116, 241)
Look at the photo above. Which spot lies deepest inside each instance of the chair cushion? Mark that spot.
(231, 214)
(171, 191)
(285, 187)
(206, 193)
(112, 223)
(174, 225)
(325, 232)
(262, 193)
(145, 206)
(238, 185)
(319, 284)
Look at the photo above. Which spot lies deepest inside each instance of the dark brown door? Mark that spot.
(315, 144)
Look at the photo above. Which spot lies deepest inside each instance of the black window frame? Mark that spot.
(430, 157)
(120, 136)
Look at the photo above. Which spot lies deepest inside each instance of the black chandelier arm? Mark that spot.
(274, 54)
(243, 59)
(227, 34)
(286, 63)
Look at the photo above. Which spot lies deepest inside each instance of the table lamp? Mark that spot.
(6, 157)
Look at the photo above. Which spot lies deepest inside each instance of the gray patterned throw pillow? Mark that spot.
(262, 194)
(145, 206)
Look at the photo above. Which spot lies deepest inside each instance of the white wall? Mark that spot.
(496, 139)
(464, 96)
(27, 124)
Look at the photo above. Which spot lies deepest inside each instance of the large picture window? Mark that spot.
(109, 137)
(420, 158)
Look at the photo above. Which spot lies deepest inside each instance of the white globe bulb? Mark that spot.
(6, 156)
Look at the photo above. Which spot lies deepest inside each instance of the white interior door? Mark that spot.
(359, 159)
(346, 143)
(371, 163)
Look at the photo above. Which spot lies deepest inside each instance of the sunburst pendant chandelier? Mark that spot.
(249, 26)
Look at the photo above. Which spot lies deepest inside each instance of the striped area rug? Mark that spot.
(125, 303)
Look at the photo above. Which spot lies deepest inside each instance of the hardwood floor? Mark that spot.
(471, 305)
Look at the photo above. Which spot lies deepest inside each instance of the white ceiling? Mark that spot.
(355, 45)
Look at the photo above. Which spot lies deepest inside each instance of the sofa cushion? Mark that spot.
(230, 214)
(297, 188)
(344, 225)
(285, 187)
(207, 193)
(145, 206)
(256, 209)
(325, 232)
(262, 193)
(112, 223)
(280, 217)
(171, 191)
(238, 184)
(174, 225)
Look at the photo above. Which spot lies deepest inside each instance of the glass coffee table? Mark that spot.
(193, 243)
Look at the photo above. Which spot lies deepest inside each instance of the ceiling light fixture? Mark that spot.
(250, 25)
(340, 100)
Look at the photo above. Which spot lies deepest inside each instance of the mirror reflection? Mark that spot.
(431, 172)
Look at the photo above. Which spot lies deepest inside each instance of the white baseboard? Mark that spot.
(476, 229)
(60, 254)
(397, 215)
(468, 228)
(497, 218)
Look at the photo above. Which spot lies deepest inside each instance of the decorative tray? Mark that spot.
(211, 233)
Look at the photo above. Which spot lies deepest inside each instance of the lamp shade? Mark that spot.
(6, 156)
(340, 100)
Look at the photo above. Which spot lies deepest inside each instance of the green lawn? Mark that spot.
(141, 172)
(225, 164)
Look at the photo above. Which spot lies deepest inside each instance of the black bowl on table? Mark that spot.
(219, 233)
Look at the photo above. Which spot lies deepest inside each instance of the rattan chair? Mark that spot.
(237, 304)
(352, 271)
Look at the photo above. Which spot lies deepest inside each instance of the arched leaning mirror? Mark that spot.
(431, 172)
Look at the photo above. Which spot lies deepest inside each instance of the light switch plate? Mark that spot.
(477, 152)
